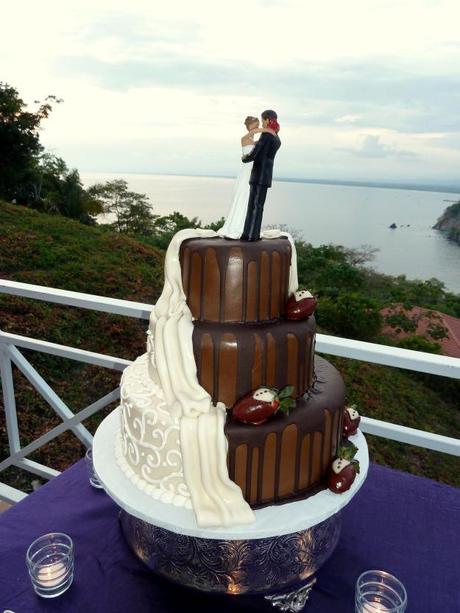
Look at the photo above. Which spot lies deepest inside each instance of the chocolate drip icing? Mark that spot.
(236, 281)
(237, 293)
(273, 355)
(324, 403)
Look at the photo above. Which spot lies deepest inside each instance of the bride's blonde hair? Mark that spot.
(249, 120)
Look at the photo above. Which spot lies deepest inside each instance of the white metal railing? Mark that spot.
(9, 354)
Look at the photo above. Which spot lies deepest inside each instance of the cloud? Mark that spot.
(375, 93)
(133, 30)
(372, 147)
(163, 71)
(140, 79)
(350, 118)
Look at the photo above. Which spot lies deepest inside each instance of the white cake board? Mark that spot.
(276, 520)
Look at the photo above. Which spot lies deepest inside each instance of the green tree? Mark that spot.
(401, 322)
(137, 218)
(59, 190)
(351, 315)
(167, 225)
(215, 225)
(75, 201)
(19, 144)
(50, 171)
(132, 212)
(419, 343)
(361, 256)
(327, 268)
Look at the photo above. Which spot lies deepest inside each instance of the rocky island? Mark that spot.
(449, 222)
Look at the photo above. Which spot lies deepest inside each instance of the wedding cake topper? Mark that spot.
(254, 178)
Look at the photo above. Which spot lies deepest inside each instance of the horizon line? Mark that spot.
(449, 187)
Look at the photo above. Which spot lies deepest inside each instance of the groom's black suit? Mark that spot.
(263, 156)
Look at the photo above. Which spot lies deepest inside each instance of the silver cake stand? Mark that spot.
(276, 556)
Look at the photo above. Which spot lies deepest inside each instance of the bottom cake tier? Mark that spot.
(285, 459)
(289, 456)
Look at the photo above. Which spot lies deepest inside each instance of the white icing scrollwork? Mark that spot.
(150, 439)
(171, 489)
(133, 453)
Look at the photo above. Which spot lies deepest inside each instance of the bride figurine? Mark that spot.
(234, 224)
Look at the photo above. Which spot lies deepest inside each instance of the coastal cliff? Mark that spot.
(449, 222)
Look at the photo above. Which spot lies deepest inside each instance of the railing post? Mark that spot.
(49, 394)
(9, 401)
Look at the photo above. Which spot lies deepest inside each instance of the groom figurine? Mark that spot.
(263, 156)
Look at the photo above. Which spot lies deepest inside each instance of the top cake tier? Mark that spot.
(232, 281)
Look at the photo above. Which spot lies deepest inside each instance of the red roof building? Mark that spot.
(426, 323)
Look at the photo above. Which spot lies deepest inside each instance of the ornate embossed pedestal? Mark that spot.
(233, 566)
(280, 552)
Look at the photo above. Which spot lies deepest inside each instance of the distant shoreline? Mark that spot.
(446, 189)
(428, 187)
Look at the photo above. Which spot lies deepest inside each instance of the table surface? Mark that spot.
(406, 525)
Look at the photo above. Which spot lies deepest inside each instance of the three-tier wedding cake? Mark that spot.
(228, 336)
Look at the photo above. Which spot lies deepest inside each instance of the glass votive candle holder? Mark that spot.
(379, 592)
(93, 478)
(50, 561)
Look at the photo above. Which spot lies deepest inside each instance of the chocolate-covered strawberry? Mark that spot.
(259, 406)
(300, 305)
(343, 470)
(351, 420)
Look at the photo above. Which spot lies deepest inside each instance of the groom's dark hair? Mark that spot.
(269, 115)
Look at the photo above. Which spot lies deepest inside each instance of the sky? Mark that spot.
(365, 90)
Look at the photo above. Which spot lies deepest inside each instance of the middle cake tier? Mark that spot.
(234, 359)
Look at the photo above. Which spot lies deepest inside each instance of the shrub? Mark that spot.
(351, 315)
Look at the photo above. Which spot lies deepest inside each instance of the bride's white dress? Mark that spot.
(234, 224)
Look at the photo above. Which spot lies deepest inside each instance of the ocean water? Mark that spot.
(344, 215)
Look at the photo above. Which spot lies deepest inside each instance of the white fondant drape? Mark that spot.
(216, 500)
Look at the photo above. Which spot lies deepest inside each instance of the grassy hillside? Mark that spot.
(58, 252)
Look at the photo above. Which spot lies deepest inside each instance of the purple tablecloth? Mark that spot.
(404, 524)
